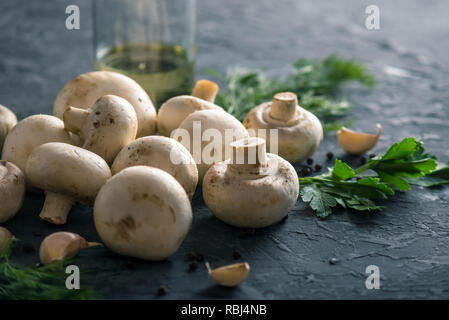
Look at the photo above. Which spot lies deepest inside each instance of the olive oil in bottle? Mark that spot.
(164, 71)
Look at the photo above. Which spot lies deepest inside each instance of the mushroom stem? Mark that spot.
(206, 90)
(283, 106)
(56, 208)
(248, 154)
(74, 119)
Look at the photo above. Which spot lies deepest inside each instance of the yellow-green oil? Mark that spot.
(164, 71)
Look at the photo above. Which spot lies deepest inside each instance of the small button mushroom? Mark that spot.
(142, 212)
(163, 153)
(5, 239)
(12, 190)
(207, 135)
(84, 90)
(357, 143)
(253, 189)
(7, 121)
(30, 133)
(59, 246)
(230, 275)
(105, 128)
(173, 112)
(66, 173)
(299, 131)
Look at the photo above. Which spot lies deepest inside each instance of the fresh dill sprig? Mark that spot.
(315, 82)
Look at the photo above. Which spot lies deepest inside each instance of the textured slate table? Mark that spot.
(408, 241)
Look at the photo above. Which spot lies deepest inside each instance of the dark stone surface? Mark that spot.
(408, 240)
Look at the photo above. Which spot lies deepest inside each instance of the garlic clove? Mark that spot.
(357, 142)
(5, 238)
(230, 275)
(62, 245)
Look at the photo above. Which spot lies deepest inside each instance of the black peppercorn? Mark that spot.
(329, 155)
(362, 160)
(236, 255)
(309, 161)
(191, 255)
(161, 291)
(318, 167)
(199, 257)
(193, 265)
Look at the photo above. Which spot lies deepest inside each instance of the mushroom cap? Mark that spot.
(160, 152)
(110, 126)
(12, 190)
(298, 138)
(7, 121)
(251, 200)
(216, 120)
(67, 170)
(173, 112)
(84, 90)
(30, 133)
(143, 212)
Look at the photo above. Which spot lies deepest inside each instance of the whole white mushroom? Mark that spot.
(173, 112)
(299, 131)
(105, 128)
(12, 190)
(142, 212)
(7, 121)
(207, 134)
(163, 153)
(84, 90)
(67, 174)
(29, 134)
(253, 189)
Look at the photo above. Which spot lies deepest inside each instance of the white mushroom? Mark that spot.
(66, 173)
(173, 112)
(254, 189)
(7, 121)
(207, 134)
(59, 246)
(12, 190)
(105, 128)
(142, 212)
(5, 239)
(30, 133)
(163, 153)
(299, 131)
(82, 92)
(357, 142)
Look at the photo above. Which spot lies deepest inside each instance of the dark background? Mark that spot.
(408, 240)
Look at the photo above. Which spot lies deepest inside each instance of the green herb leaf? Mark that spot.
(403, 162)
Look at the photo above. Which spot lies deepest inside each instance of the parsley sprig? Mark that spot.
(405, 162)
(315, 82)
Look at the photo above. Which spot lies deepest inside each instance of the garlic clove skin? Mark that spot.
(5, 238)
(62, 245)
(357, 143)
(230, 275)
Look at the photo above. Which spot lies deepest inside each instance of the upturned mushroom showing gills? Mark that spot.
(253, 189)
(299, 131)
(12, 190)
(30, 133)
(82, 92)
(357, 142)
(66, 173)
(7, 121)
(173, 112)
(142, 212)
(163, 153)
(105, 128)
(207, 134)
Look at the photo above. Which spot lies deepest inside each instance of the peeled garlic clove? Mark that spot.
(5, 238)
(357, 142)
(230, 275)
(62, 245)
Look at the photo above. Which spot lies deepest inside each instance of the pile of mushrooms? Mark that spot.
(100, 149)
